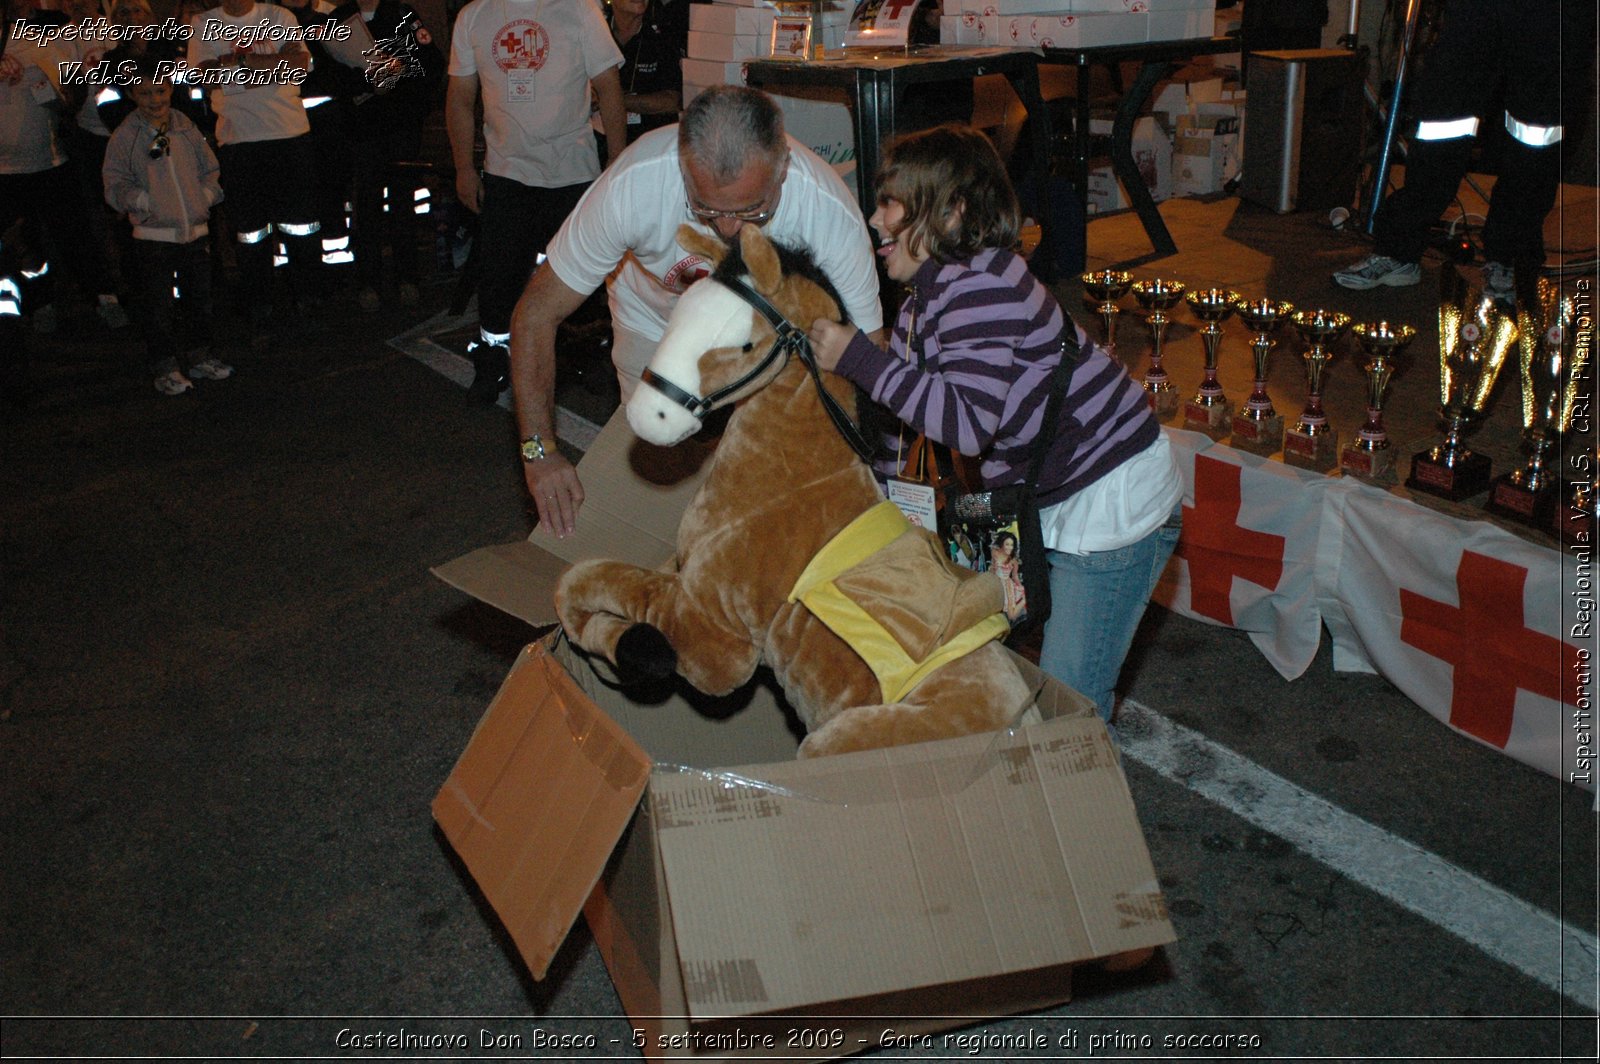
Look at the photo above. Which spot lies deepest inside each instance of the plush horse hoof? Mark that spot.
(643, 654)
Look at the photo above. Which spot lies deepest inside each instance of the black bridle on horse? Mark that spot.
(790, 340)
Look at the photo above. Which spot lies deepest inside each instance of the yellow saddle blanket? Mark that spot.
(884, 586)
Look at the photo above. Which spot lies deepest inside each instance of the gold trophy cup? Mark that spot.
(1258, 428)
(1371, 455)
(1104, 288)
(1209, 411)
(1475, 336)
(1311, 442)
(1552, 363)
(1157, 297)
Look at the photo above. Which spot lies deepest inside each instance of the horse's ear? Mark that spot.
(761, 259)
(694, 241)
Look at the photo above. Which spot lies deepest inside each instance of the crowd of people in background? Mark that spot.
(141, 191)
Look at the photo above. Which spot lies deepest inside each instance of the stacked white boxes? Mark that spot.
(727, 34)
(1074, 23)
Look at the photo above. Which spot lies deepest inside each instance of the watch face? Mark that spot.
(533, 449)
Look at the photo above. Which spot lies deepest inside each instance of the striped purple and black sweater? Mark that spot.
(989, 336)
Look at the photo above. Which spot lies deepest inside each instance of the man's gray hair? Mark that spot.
(725, 126)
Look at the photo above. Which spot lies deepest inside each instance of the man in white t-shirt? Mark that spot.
(728, 164)
(533, 62)
(264, 145)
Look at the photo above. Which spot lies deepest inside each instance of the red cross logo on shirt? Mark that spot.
(1218, 548)
(1493, 654)
(520, 45)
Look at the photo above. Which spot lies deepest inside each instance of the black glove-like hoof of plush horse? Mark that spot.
(644, 655)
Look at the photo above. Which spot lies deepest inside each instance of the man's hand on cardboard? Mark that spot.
(557, 493)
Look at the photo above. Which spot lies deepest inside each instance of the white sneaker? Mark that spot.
(210, 369)
(174, 383)
(1375, 270)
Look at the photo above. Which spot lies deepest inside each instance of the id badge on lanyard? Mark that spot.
(915, 490)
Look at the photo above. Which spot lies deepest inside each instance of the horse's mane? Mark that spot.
(792, 260)
(875, 422)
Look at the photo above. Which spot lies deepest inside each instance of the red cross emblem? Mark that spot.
(1493, 654)
(521, 45)
(1218, 548)
(892, 9)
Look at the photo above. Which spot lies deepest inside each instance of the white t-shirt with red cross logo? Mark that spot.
(534, 60)
(632, 213)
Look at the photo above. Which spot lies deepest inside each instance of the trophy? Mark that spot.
(1311, 442)
(1106, 287)
(1371, 454)
(1258, 428)
(1475, 336)
(1157, 297)
(1552, 363)
(1209, 411)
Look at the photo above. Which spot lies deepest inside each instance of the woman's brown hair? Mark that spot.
(953, 186)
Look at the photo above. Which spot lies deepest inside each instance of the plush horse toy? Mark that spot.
(769, 565)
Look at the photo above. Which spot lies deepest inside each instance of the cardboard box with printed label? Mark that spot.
(1205, 149)
(735, 892)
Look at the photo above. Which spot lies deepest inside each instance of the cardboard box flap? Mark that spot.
(538, 800)
(635, 494)
(866, 873)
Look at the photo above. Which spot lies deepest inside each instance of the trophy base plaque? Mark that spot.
(1263, 437)
(1510, 497)
(1467, 476)
(1215, 421)
(1373, 465)
(1165, 402)
(1319, 452)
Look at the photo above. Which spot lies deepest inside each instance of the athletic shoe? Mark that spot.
(1500, 284)
(210, 369)
(174, 383)
(1375, 270)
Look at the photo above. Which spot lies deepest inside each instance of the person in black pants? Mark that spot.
(1488, 52)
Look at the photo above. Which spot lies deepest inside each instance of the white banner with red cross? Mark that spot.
(1470, 622)
(1248, 553)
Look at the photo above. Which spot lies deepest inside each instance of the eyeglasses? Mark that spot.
(161, 146)
(758, 216)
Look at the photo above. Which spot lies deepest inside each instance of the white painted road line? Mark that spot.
(1500, 924)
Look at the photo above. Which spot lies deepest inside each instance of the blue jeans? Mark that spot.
(1096, 602)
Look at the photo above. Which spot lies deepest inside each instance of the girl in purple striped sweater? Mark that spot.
(969, 364)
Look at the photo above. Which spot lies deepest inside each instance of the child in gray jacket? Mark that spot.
(161, 173)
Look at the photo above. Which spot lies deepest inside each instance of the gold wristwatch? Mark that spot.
(533, 449)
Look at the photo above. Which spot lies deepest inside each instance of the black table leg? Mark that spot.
(1128, 109)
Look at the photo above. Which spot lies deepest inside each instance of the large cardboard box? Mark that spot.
(919, 887)
(1205, 149)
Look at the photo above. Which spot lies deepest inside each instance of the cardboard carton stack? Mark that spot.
(919, 887)
(1074, 23)
(1205, 119)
